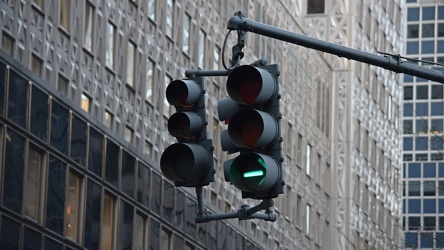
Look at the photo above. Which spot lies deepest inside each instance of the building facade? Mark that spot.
(83, 121)
(423, 170)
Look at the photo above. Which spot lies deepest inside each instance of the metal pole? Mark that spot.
(394, 63)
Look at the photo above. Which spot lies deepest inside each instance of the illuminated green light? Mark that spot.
(261, 161)
(254, 173)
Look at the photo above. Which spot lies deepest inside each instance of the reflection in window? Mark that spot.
(154, 235)
(164, 240)
(412, 31)
(108, 119)
(89, 26)
(33, 184)
(149, 81)
(112, 163)
(156, 193)
(9, 239)
(408, 127)
(414, 223)
(130, 64)
(36, 65)
(128, 166)
(429, 188)
(92, 216)
(422, 92)
(33, 239)
(307, 219)
(179, 210)
(111, 40)
(39, 114)
(55, 201)
(128, 134)
(2, 86)
(59, 127)
(85, 102)
(13, 171)
(169, 18)
(428, 30)
(168, 198)
(307, 159)
(429, 223)
(143, 184)
(17, 101)
(166, 104)
(138, 232)
(191, 211)
(152, 9)
(78, 140)
(126, 226)
(64, 13)
(95, 152)
(201, 53)
(62, 85)
(107, 222)
(72, 207)
(8, 44)
(186, 33)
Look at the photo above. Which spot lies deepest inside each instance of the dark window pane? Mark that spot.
(412, 47)
(422, 109)
(412, 14)
(10, 234)
(156, 192)
(427, 47)
(429, 206)
(408, 143)
(414, 223)
(143, 183)
(212, 234)
(315, 6)
(59, 127)
(221, 235)
(231, 238)
(421, 143)
(441, 193)
(411, 240)
(429, 170)
(13, 175)
(202, 233)
(52, 244)
(190, 224)
(421, 157)
(128, 166)
(55, 203)
(408, 109)
(95, 152)
(412, 31)
(440, 29)
(178, 243)
(440, 169)
(180, 207)
(78, 140)
(408, 93)
(414, 188)
(32, 240)
(429, 188)
(437, 92)
(2, 87)
(154, 235)
(39, 114)
(414, 206)
(112, 163)
(421, 126)
(440, 48)
(414, 170)
(429, 223)
(437, 108)
(125, 233)
(18, 96)
(92, 215)
(441, 223)
(428, 30)
(428, 13)
(426, 240)
(168, 198)
(441, 12)
(439, 240)
(408, 127)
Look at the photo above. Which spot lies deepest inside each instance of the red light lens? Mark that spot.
(249, 90)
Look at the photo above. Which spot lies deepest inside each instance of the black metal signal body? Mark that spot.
(189, 162)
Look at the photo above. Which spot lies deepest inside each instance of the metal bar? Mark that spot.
(200, 72)
(239, 22)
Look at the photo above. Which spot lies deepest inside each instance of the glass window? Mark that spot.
(9, 239)
(414, 170)
(165, 239)
(414, 223)
(428, 30)
(92, 216)
(428, 13)
(39, 114)
(168, 198)
(112, 163)
(64, 13)
(33, 184)
(422, 109)
(201, 49)
(88, 26)
(186, 33)
(13, 171)
(440, 29)
(8, 44)
(152, 9)
(128, 168)
(414, 206)
(2, 86)
(421, 126)
(169, 18)
(78, 140)
(436, 143)
(59, 127)
(408, 93)
(307, 159)
(33, 240)
(125, 229)
(412, 31)
(429, 206)
(408, 143)
(179, 209)
(62, 85)
(408, 109)
(95, 152)
(439, 240)
(36, 65)
(429, 170)
(156, 192)
(85, 102)
(414, 188)
(441, 193)
(421, 143)
(131, 64)
(55, 201)
(413, 14)
(108, 119)
(441, 223)
(72, 214)
(190, 224)
(440, 46)
(440, 12)
(437, 108)
(413, 47)
(154, 235)
(408, 78)
(149, 80)
(143, 183)
(138, 231)
(437, 92)
(107, 226)
(426, 240)
(17, 101)
(408, 127)
(110, 49)
(429, 188)
(427, 47)
(315, 7)
(421, 157)
(422, 92)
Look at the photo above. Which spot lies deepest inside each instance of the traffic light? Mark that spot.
(253, 118)
(190, 161)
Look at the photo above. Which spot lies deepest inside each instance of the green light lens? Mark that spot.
(253, 173)
(261, 161)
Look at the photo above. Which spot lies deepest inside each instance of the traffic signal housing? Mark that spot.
(189, 162)
(253, 117)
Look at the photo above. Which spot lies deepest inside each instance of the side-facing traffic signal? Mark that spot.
(190, 161)
(253, 118)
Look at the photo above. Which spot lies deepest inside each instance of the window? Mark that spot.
(85, 102)
(95, 152)
(33, 184)
(408, 127)
(128, 170)
(112, 163)
(437, 92)
(110, 49)
(72, 211)
(39, 114)
(315, 6)
(107, 236)
(78, 140)
(201, 54)
(408, 93)
(108, 119)
(128, 134)
(89, 26)
(307, 219)
(130, 64)
(64, 13)
(59, 127)
(152, 9)
(429, 223)
(413, 14)
(414, 188)
(166, 104)
(36, 65)
(17, 101)
(412, 31)
(55, 199)
(216, 57)
(169, 18)
(414, 223)
(62, 85)
(149, 81)
(429, 188)
(8, 44)
(138, 232)
(307, 159)
(164, 240)
(422, 92)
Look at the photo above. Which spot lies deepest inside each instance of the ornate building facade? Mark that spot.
(102, 68)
